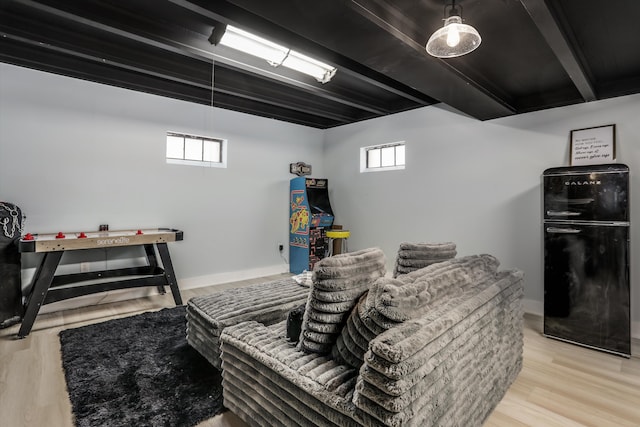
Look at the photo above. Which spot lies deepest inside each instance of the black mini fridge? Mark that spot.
(586, 256)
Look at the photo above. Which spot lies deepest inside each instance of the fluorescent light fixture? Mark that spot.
(276, 54)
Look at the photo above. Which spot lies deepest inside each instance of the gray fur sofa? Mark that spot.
(438, 346)
(266, 303)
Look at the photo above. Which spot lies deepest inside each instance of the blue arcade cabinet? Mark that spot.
(310, 215)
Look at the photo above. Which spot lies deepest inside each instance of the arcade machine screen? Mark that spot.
(319, 201)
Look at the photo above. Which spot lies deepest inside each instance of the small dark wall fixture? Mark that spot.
(300, 169)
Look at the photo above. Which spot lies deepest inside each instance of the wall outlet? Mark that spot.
(84, 267)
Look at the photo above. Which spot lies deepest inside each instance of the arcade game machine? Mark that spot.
(310, 215)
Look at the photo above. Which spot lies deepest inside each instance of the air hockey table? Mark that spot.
(49, 288)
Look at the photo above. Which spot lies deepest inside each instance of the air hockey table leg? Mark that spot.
(43, 280)
(153, 263)
(163, 250)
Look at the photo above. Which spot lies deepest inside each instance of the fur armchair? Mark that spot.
(435, 347)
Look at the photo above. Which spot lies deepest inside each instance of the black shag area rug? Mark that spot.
(139, 371)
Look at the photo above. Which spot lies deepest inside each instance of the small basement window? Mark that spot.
(382, 157)
(196, 150)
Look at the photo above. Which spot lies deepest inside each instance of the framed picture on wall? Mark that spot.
(592, 146)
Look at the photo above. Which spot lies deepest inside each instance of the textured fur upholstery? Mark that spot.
(391, 301)
(267, 303)
(413, 256)
(338, 283)
(447, 363)
(428, 286)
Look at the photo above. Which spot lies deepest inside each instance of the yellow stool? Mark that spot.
(342, 235)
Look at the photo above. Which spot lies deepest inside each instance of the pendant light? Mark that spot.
(455, 38)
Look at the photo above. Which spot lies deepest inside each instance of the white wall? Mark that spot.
(474, 183)
(75, 154)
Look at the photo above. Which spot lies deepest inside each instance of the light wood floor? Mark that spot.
(560, 384)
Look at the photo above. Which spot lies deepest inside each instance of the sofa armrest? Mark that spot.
(452, 364)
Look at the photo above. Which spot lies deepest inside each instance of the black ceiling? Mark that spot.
(535, 54)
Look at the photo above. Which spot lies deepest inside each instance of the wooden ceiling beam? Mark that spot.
(57, 62)
(107, 60)
(202, 50)
(444, 82)
(223, 11)
(543, 19)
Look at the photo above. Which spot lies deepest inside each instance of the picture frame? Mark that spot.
(594, 145)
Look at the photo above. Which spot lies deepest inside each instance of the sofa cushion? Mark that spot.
(338, 283)
(414, 256)
(267, 303)
(423, 289)
(364, 323)
(393, 301)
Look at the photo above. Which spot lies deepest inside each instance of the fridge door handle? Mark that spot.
(562, 230)
(562, 213)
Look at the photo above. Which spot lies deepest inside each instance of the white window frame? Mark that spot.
(364, 153)
(202, 163)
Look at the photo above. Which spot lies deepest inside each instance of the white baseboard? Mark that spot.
(537, 308)
(532, 306)
(186, 283)
(232, 276)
